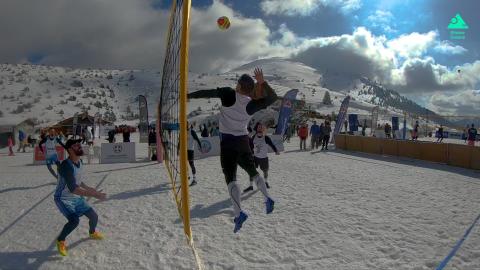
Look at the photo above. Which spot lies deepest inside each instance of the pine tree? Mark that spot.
(326, 98)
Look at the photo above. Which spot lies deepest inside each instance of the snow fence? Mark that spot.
(452, 154)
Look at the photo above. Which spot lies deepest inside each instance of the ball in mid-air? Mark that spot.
(223, 23)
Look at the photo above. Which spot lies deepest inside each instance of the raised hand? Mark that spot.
(258, 75)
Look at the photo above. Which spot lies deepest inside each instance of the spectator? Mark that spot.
(440, 134)
(303, 134)
(111, 136)
(364, 127)
(10, 146)
(21, 141)
(326, 135)
(89, 136)
(388, 130)
(315, 135)
(152, 143)
(465, 134)
(126, 134)
(472, 135)
(415, 131)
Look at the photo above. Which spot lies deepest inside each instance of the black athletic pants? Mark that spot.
(73, 221)
(190, 155)
(326, 139)
(235, 150)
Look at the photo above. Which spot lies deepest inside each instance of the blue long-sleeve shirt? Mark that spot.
(315, 130)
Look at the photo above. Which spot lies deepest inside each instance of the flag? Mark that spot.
(285, 112)
(374, 119)
(143, 126)
(341, 116)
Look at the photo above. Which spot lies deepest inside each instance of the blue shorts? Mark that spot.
(51, 159)
(77, 206)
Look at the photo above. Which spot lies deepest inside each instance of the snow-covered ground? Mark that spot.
(334, 210)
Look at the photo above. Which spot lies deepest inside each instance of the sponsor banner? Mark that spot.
(395, 123)
(374, 118)
(285, 111)
(341, 117)
(117, 152)
(211, 146)
(353, 122)
(39, 156)
(143, 115)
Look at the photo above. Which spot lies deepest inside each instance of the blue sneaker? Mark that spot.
(269, 205)
(239, 221)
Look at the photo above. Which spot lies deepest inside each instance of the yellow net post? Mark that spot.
(183, 117)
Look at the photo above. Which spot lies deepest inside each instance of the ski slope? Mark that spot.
(334, 210)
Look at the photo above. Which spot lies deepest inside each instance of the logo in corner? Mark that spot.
(118, 148)
(457, 27)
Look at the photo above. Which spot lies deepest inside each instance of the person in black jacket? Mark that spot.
(111, 136)
(238, 106)
(152, 143)
(126, 134)
(326, 135)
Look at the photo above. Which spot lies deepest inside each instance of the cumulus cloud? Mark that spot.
(127, 34)
(130, 34)
(110, 33)
(306, 7)
(358, 54)
(447, 47)
(382, 20)
(464, 102)
(424, 75)
(413, 44)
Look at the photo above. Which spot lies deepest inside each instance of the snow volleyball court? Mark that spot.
(334, 210)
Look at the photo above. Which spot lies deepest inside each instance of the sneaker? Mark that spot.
(193, 183)
(97, 235)
(239, 221)
(269, 205)
(250, 188)
(266, 184)
(62, 248)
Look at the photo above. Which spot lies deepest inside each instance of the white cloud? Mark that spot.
(382, 20)
(464, 102)
(306, 7)
(446, 47)
(413, 44)
(128, 34)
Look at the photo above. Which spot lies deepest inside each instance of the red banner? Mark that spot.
(39, 156)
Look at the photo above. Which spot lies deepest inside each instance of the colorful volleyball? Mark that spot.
(223, 23)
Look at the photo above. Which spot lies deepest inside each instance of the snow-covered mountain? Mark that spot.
(50, 94)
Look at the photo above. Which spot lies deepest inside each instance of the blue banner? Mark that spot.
(395, 123)
(404, 131)
(341, 116)
(285, 112)
(353, 122)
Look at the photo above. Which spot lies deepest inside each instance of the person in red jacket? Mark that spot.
(303, 134)
(10, 146)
